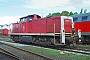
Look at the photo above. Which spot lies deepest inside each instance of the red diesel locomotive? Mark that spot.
(82, 23)
(55, 30)
(84, 28)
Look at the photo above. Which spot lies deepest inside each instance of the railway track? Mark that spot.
(74, 50)
(78, 51)
(8, 54)
(36, 56)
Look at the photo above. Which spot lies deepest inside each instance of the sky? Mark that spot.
(12, 10)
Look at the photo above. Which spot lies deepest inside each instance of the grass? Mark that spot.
(56, 52)
(46, 50)
(69, 55)
(85, 45)
(79, 57)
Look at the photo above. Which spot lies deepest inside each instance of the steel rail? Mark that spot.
(30, 52)
(6, 53)
(76, 50)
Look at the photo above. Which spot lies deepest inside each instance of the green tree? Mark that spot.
(75, 13)
(62, 13)
(70, 13)
(65, 12)
(85, 10)
(55, 14)
(49, 15)
(81, 11)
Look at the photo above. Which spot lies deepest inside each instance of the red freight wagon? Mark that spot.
(5, 31)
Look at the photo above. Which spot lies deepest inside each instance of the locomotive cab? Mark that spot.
(29, 17)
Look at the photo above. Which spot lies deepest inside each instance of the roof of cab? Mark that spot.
(30, 16)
